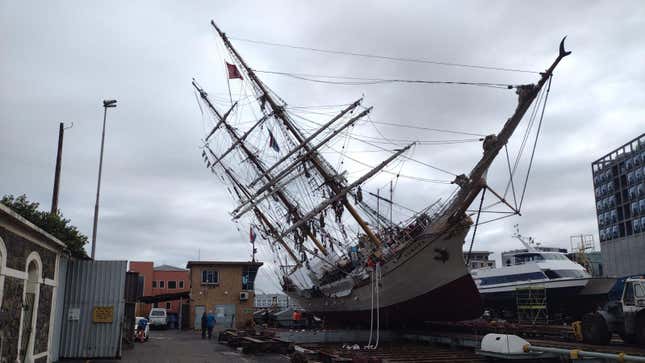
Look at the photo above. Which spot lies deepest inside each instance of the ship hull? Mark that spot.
(427, 282)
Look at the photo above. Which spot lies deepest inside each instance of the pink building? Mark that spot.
(160, 280)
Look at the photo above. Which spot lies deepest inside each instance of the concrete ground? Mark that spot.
(172, 346)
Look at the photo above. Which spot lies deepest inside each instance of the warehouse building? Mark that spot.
(619, 186)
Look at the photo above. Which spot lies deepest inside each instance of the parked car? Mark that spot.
(140, 320)
(158, 318)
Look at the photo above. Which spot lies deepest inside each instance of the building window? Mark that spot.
(210, 277)
(155, 305)
(162, 284)
(248, 277)
(168, 304)
(181, 284)
(172, 284)
(154, 284)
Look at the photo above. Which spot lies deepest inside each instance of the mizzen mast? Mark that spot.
(315, 157)
(291, 208)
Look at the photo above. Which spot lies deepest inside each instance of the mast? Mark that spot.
(475, 182)
(263, 219)
(315, 158)
(242, 138)
(291, 208)
(302, 158)
(343, 192)
(308, 139)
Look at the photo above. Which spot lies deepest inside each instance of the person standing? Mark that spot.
(204, 324)
(210, 322)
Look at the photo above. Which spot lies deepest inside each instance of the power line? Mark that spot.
(384, 57)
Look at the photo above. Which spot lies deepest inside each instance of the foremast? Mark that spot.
(473, 184)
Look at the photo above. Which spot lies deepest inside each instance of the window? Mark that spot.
(494, 280)
(248, 277)
(161, 284)
(172, 284)
(154, 284)
(628, 298)
(210, 277)
(155, 305)
(168, 304)
(181, 284)
(639, 291)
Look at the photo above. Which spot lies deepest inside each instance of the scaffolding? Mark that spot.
(531, 305)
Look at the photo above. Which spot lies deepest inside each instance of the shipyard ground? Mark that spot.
(439, 343)
(172, 346)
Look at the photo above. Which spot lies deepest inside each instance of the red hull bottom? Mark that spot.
(456, 301)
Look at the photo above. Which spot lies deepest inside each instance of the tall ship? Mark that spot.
(338, 255)
(568, 289)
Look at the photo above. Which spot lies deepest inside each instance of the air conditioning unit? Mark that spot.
(244, 295)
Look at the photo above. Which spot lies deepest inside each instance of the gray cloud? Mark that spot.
(60, 59)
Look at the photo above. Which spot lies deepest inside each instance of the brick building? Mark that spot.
(160, 280)
(29, 263)
(224, 287)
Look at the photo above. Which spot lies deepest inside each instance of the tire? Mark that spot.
(640, 331)
(628, 339)
(595, 329)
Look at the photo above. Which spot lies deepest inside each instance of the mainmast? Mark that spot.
(291, 208)
(471, 185)
(315, 157)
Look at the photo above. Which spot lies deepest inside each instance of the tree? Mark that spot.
(54, 224)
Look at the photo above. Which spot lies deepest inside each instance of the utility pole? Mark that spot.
(59, 156)
(106, 104)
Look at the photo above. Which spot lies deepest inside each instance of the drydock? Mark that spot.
(450, 342)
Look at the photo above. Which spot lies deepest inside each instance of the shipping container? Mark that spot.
(93, 310)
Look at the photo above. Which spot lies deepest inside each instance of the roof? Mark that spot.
(168, 268)
(164, 297)
(220, 263)
(4, 210)
(478, 252)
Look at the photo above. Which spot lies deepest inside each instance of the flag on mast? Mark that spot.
(272, 143)
(252, 234)
(233, 72)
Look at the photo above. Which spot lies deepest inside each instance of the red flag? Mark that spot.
(233, 72)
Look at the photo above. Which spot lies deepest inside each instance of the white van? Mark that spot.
(158, 318)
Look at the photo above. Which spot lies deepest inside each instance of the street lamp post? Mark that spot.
(106, 104)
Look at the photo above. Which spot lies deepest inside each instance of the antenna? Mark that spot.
(526, 244)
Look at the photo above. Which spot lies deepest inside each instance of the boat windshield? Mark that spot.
(533, 256)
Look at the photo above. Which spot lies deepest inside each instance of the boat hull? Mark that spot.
(428, 281)
(569, 298)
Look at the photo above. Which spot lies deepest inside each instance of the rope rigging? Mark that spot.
(361, 81)
(384, 57)
(300, 202)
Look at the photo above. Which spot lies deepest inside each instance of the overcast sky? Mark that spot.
(59, 59)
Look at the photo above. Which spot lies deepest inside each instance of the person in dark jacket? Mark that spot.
(204, 325)
(210, 323)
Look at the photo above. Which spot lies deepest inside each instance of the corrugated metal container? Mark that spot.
(92, 284)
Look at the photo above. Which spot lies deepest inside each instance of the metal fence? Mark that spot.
(93, 310)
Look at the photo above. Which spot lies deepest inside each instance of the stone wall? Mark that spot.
(42, 322)
(19, 248)
(12, 304)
